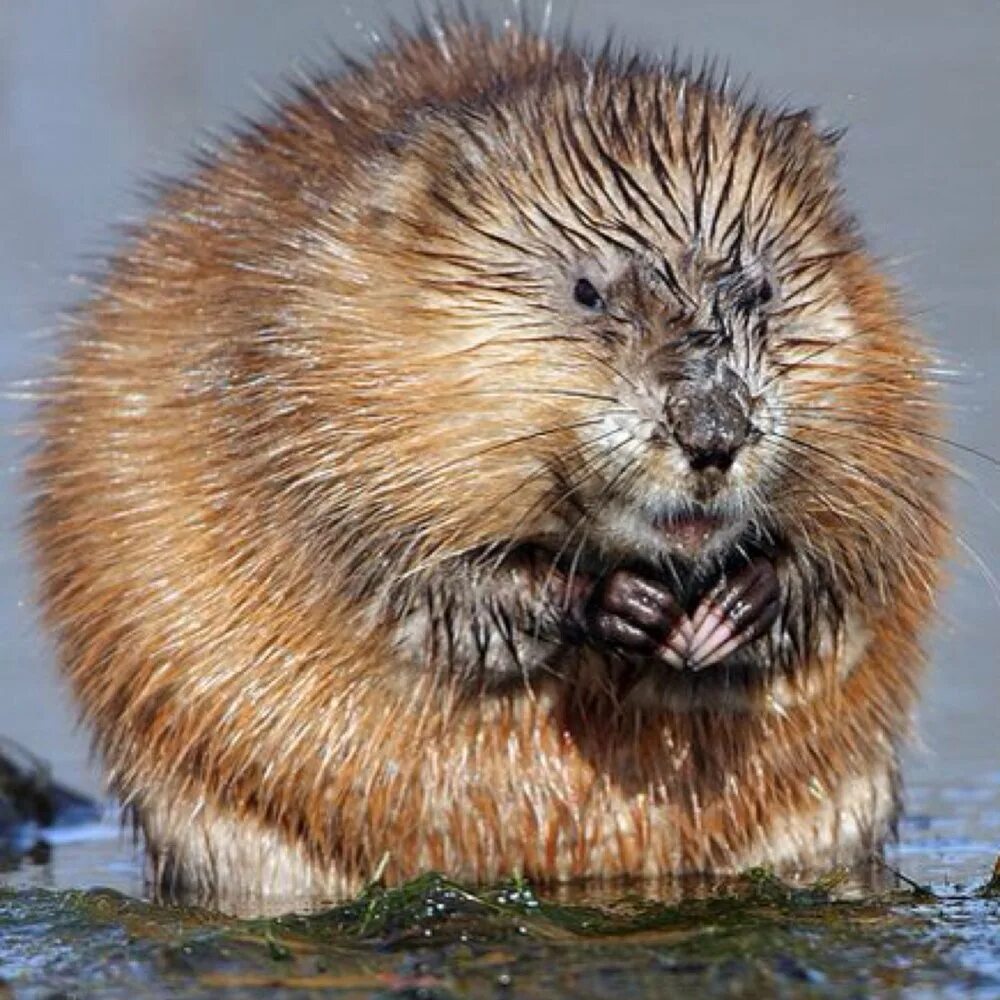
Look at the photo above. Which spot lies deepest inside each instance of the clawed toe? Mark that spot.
(633, 614)
(636, 614)
(739, 609)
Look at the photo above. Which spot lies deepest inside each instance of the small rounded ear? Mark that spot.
(427, 157)
(820, 144)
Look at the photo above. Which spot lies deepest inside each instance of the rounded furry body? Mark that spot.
(339, 460)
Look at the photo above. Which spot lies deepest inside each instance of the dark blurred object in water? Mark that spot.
(31, 801)
(992, 888)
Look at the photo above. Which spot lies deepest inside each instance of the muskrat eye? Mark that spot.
(753, 296)
(587, 295)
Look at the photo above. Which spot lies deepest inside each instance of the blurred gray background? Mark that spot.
(95, 95)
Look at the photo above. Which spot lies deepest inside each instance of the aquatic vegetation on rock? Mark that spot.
(433, 938)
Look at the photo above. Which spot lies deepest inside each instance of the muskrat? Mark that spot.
(505, 458)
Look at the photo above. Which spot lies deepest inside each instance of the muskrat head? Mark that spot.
(628, 319)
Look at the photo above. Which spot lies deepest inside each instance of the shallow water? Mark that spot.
(95, 96)
(752, 936)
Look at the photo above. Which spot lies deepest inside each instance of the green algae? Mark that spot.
(432, 938)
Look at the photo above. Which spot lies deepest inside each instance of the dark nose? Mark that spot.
(709, 414)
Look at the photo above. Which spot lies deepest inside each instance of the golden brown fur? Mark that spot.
(333, 384)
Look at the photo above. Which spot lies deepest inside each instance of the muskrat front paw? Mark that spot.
(638, 615)
(742, 606)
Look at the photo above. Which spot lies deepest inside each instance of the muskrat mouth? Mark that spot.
(689, 533)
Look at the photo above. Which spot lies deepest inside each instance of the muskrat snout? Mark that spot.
(709, 414)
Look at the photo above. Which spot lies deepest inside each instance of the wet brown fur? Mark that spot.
(314, 379)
